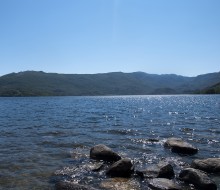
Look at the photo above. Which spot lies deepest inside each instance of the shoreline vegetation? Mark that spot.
(38, 83)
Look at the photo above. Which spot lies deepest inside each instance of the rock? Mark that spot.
(161, 170)
(198, 178)
(153, 140)
(177, 145)
(163, 184)
(121, 168)
(120, 184)
(211, 165)
(165, 170)
(64, 185)
(102, 152)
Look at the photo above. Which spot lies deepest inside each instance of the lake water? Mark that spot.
(45, 139)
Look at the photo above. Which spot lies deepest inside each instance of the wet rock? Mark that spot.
(65, 185)
(120, 184)
(121, 168)
(198, 178)
(177, 145)
(153, 140)
(102, 152)
(211, 165)
(161, 170)
(165, 170)
(163, 184)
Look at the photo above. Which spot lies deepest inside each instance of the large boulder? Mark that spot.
(65, 185)
(198, 178)
(211, 165)
(177, 145)
(163, 184)
(102, 152)
(121, 168)
(160, 170)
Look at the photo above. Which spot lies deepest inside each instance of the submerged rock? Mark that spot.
(120, 184)
(153, 140)
(211, 165)
(198, 178)
(161, 170)
(102, 152)
(64, 185)
(177, 145)
(121, 168)
(163, 184)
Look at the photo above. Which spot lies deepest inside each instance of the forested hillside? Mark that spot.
(33, 83)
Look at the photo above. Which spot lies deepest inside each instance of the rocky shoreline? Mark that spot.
(120, 173)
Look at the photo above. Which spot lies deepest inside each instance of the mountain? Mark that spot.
(215, 89)
(33, 83)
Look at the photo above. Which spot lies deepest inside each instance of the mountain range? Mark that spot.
(38, 83)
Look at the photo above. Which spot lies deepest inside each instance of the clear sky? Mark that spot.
(99, 36)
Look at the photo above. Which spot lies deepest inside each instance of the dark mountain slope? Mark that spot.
(166, 83)
(204, 81)
(215, 89)
(40, 83)
(32, 83)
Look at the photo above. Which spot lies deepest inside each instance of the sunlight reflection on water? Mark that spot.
(41, 136)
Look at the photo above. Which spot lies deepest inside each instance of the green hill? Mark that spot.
(32, 83)
(215, 89)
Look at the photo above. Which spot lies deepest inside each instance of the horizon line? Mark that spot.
(50, 72)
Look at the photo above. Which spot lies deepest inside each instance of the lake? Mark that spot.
(45, 139)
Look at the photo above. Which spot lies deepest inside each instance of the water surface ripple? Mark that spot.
(45, 137)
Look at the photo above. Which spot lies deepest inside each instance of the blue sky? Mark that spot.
(99, 36)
